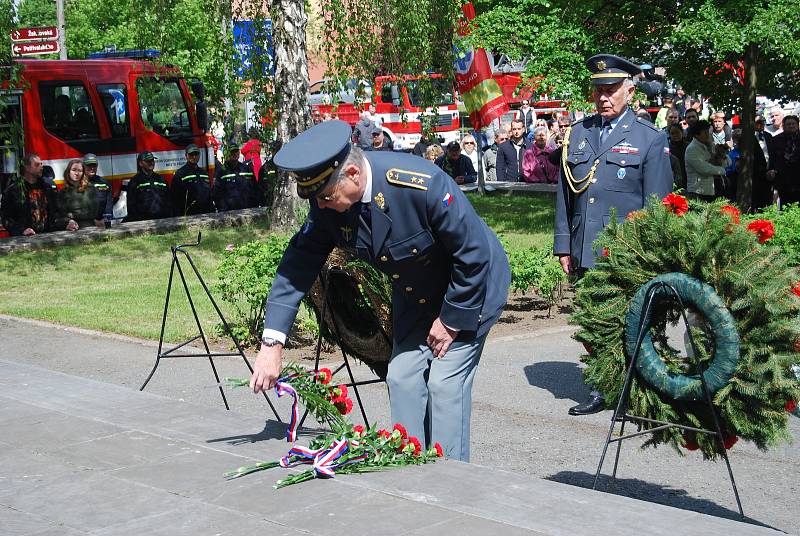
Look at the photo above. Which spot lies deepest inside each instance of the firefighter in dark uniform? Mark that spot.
(190, 189)
(449, 272)
(102, 189)
(148, 195)
(611, 159)
(235, 184)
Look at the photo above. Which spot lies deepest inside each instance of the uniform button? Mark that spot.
(594, 180)
(409, 289)
(422, 301)
(591, 200)
(384, 258)
(395, 276)
(622, 162)
(413, 251)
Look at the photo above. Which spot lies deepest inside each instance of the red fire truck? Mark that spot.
(114, 105)
(397, 106)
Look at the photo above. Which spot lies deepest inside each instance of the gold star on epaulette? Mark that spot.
(411, 179)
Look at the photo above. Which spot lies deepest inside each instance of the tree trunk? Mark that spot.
(747, 143)
(292, 112)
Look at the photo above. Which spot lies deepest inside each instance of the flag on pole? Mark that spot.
(483, 98)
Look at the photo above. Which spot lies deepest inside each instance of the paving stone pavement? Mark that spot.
(86, 453)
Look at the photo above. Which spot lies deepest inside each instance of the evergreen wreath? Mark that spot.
(754, 280)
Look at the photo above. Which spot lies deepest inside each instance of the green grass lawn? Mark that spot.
(119, 285)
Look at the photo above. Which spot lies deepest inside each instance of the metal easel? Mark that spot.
(621, 415)
(176, 263)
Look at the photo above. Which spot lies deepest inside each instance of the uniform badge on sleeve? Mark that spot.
(347, 233)
(447, 199)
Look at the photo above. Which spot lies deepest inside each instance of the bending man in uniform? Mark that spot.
(449, 272)
(609, 160)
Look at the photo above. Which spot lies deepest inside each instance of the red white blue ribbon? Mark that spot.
(323, 460)
(283, 388)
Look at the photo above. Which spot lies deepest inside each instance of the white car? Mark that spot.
(324, 92)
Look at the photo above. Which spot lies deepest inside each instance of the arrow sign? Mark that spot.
(34, 34)
(29, 49)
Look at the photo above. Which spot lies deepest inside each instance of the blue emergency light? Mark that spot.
(137, 54)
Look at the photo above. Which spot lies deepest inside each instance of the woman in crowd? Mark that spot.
(703, 163)
(77, 202)
(469, 149)
(433, 152)
(536, 164)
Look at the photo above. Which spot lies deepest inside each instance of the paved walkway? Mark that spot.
(81, 456)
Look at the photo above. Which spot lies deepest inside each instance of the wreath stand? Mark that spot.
(176, 263)
(621, 415)
(325, 280)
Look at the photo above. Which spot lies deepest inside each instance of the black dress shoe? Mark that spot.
(595, 404)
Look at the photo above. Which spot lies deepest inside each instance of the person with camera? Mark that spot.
(705, 163)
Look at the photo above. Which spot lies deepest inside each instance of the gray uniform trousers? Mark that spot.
(432, 397)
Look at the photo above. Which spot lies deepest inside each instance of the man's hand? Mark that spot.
(440, 338)
(566, 263)
(459, 179)
(267, 368)
(28, 232)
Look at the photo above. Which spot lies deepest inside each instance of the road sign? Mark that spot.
(252, 41)
(29, 49)
(34, 34)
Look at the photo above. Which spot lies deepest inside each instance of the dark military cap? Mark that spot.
(147, 155)
(312, 156)
(231, 147)
(192, 148)
(608, 69)
(89, 158)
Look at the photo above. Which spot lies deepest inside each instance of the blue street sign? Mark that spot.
(252, 40)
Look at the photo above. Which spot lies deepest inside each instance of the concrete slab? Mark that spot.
(85, 456)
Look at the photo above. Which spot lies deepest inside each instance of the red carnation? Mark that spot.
(342, 389)
(439, 451)
(732, 211)
(791, 405)
(343, 404)
(384, 433)
(796, 288)
(605, 252)
(587, 348)
(635, 214)
(676, 204)
(358, 429)
(764, 229)
(324, 376)
(729, 439)
(417, 445)
(402, 429)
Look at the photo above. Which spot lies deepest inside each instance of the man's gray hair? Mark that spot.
(354, 157)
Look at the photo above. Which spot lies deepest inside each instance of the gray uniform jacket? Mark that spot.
(442, 258)
(633, 165)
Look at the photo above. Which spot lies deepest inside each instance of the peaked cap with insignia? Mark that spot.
(313, 155)
(608, 69)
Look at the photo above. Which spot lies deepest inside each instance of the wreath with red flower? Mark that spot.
(710, 242)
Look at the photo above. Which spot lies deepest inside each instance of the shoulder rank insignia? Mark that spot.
(380, 201)
(411, 179)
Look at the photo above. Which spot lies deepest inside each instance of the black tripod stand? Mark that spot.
(325, 281)
(176, 263)
(621, 415)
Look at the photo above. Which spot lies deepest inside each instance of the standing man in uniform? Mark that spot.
(611, 159)
(190, 189)
(450, 275)
(235, 185)
(148, 195)
(102, 190)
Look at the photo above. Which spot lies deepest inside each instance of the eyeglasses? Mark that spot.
(469, 143)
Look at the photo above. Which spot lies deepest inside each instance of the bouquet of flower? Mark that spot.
(347, 448)
(353, 450)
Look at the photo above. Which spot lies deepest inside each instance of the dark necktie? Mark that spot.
(366, 215)
(606, 130)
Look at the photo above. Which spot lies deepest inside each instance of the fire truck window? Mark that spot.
(67, 111)
(162, 106)
(115, 104)
(386, 93)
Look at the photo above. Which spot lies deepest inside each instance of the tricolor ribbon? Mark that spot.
(283, 388)
(322, 459)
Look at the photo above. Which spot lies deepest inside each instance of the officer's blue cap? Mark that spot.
(312, 156)
(608, 69)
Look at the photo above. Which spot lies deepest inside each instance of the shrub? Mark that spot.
(787, 230)
(537, 269)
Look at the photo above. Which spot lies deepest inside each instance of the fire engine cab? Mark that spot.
(114, 105)
(397, 106)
